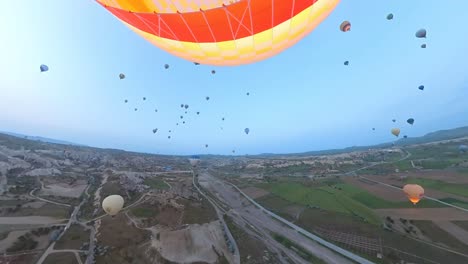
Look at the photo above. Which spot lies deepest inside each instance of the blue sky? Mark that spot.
(303, 99)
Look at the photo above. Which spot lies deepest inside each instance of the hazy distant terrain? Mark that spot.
(181, 210)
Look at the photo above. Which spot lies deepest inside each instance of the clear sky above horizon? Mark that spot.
(303, 99)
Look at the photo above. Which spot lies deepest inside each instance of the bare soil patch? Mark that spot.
(197, 243)
(442, 175)
(65, 190)
(432, 214)
(453, 229)
(255, 192)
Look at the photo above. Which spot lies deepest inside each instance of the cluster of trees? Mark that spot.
(25, 242)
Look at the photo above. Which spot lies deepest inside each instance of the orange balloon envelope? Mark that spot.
(221, 32)
(414, 192)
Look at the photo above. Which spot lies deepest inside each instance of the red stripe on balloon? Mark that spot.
(238, 20)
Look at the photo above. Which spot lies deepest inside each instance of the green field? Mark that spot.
(144, 211)
(457, 189)
(298, 249)
(456, 202)
(322, 197)
(156, 183)
(336, 196)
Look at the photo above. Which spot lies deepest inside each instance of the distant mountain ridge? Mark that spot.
(43, 139)
(429, 137)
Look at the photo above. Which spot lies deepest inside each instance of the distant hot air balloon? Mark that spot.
(390, 16)
(247, 130)
(126, 101)
(373, 128)
(166, 66)
(186, 106)
(421, 33)
(181, 105)
(463, 148)
(206, 145)
(423, 46)
(345, 26)
(155, 130)
(136, 109)
(213, 72)
(198, 113)
(207, 98)
(346, 63)
(248, 94)
(112, 204)
(183, 122)
(421, 87)
(414, 192)
(44, 68)
(169, 137)
(156, 110)
(395, 132)
(121, 76)
(144, 98)
(222, 119)
(393, 120)
(410, 121)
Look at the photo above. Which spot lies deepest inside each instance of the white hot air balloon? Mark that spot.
(112, 204)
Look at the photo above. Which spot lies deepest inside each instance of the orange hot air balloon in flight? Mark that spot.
(414, 192)
(221, 32)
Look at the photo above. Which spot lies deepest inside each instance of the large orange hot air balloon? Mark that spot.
(414, 192)
(221, 32)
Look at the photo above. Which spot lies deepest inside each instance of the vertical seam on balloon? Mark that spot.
(241, 22)
(159, 24)
(209, 26)
(272, 20)
(172, 32)
(149, 24)
(230, 26)
(191, 32)
(251, 25)
(144, 22)
(229, 22)
(188, 27)
(292, 14)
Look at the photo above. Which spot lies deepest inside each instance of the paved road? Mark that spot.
(221, 219)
